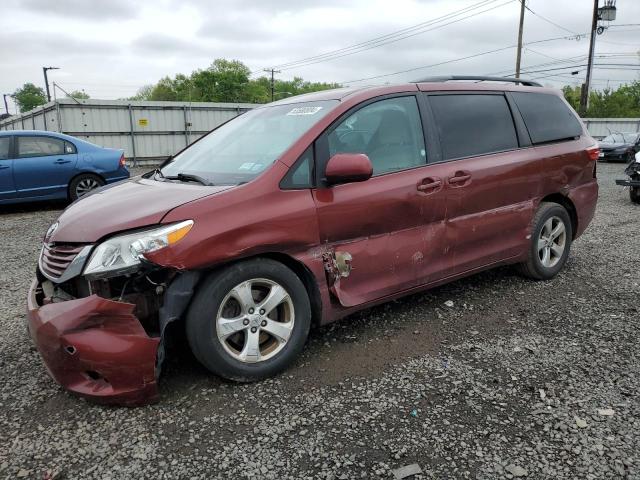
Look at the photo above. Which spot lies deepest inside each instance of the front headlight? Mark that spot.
(121, 254)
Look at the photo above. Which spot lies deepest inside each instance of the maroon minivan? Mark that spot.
(303, 211)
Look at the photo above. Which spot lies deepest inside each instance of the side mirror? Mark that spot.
(348, 167)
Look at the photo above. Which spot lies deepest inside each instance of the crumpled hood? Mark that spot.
(135, 203)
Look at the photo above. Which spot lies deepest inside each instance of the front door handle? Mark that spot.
(460, 179)
(2, 167)
(60, 161)
(429, 185)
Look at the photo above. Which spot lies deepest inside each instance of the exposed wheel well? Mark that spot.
(303, 273)
(569, 207)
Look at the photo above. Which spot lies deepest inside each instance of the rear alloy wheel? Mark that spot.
(83, 184)
(550, 242)
(250, 320)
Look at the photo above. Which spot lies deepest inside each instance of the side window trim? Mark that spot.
(524, 139)
(321, 144)
(469, 92)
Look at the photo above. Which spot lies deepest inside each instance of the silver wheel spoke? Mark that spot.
(282, 331)
(546, 257)
(276, 296)
(557, 249)
(556, 232)
(229, 326)
(242, 293)
(251, 350)
(541, 244)
(548, 227)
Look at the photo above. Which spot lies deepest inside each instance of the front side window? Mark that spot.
(473, 124)
(5, 144)
(244, 147)
(389, 132)
(40, 146)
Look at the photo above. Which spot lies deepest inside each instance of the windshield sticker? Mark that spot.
(304, 111)
(246, 166)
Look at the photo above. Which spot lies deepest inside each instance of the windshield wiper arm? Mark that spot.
(188, 177)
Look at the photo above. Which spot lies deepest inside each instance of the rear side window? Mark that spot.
(40, 146)
(69, 147)
(471, 125)
(547, 117)
(5, 143)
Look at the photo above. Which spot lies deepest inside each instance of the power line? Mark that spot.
(387, 36)
(549, 21)
(460, 59)
(394, 37)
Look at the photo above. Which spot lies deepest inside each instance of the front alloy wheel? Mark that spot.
(255, 320)
(249, 320)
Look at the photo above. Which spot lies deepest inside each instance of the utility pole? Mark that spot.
(46, 80)
(273, 81)
(584, 97)
(607, 13)
(4, 97)
(519, 54)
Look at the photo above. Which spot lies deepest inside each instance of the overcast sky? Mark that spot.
(110, 48)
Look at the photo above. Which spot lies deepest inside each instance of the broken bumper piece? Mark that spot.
(96, 348)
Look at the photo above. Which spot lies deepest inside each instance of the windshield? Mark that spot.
(244, 147)
(621, 138)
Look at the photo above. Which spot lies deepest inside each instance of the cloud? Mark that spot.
(117, 44)
(86, 9)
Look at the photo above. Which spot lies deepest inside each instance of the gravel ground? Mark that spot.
(492, 376)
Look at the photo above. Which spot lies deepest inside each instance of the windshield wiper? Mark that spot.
(188, 177)
(183, 177)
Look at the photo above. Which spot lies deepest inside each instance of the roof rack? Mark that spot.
(447, 78)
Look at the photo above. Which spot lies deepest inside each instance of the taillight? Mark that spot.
(593, 152)
(123, 161)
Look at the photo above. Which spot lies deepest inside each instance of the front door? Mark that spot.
(7, 187)
(390, 228)
(43, 165)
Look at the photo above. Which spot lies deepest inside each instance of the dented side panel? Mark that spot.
(490, 214)
(391, 231)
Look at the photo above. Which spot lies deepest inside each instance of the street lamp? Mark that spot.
(46, 80)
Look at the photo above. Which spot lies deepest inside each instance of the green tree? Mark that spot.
(79, 95)
(225, 81)
(29, 97)
(143, 93)
(608, 103)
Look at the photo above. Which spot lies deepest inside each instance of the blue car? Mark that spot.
(39, 165)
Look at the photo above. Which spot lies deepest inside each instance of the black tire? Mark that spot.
(534, 268)
(202, 317)
(634, 194)
(78, 183)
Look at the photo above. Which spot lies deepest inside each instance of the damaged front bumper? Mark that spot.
(107, 349)
(95, 347)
